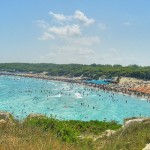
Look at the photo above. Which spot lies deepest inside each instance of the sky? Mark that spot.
(75, 31)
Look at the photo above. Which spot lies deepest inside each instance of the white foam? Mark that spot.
(59, 95)
(55, 89)
(54, 84)
(78, 95)
(143, 99)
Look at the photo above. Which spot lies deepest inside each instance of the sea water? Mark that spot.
(22, 96)
(97, 82)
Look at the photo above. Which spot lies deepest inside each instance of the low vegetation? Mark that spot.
(50, 133)
(133, 137)
(43, 133)
(70, 130)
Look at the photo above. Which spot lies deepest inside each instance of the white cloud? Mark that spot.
(74, 46)
(82, 18)
(59, 17)
(68, 30)
(127, 24)
(78, 16)
(42, 24)
(46, 36)
(65, 26)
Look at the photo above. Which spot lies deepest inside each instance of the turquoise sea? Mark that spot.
(97, 82)
(22, 96)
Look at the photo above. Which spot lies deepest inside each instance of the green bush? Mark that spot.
(69, 130)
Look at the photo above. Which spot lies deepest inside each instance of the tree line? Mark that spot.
(93, 71)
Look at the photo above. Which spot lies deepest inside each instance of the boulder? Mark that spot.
(35, 116)
(5, 116)
(109, 132)
(135, 120)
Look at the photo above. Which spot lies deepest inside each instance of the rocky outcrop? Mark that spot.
(131, 121)
(5, 118)
(35, 116)
(4, 115)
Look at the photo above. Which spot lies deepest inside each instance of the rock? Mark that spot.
(147, 147)
(6, 119)
(109, 132)
(136, 120)
(3, 122)
(35, 116)
(5, 116)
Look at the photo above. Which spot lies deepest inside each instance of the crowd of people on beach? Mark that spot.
(139, 89)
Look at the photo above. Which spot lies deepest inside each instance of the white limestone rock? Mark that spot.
(147, 147)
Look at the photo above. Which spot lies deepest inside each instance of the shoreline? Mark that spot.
(123, 87)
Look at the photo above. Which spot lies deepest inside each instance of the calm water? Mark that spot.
(97, 81)
(22, 96)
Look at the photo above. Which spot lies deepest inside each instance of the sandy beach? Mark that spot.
(125, 80)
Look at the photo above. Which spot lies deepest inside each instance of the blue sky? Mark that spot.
(56, 31)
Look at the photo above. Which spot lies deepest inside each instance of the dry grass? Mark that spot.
(23, 138)
(134, 137)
